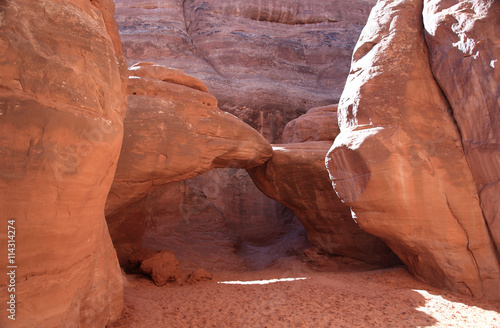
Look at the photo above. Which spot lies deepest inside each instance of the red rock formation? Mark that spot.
(62, 103)
(399, 162)
(319, 124)
(173, 131)
(297, 177)
(265, 61)
(163, 267)
(464, 46)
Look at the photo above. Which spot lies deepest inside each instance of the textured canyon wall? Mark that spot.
(267, 62)
(464, 49)
(62, 102)
(399, 162)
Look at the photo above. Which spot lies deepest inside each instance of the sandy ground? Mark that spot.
(340, 296)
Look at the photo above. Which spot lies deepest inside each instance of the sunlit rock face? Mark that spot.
(464, 46)
(399, 162)
(267, 62)
(62, 102)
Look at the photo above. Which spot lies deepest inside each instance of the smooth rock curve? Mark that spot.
(62, 102)
(399, 163)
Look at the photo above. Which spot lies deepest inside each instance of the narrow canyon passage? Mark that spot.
(249, 163)
(216, 223)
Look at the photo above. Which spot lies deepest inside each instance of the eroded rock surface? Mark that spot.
(62, 102)
(174, 131)
(464, 45)
(266, 61)
(297, 177)
(399, 163)
(163, 267)
(318, 124)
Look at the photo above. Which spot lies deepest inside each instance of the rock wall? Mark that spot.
(267, 62)
(464, 49)
(62, 102)
(399, 162)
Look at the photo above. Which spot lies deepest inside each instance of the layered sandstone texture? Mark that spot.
(62, 102)
(464, 46)
(399, 162)
(173, 132)
(297, 177)
(267, 61)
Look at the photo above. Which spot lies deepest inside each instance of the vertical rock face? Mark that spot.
(399, 163)
(296, 176)
(62, 102)
(464, 45)
(267, 62)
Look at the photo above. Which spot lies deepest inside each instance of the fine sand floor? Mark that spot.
(345, 297)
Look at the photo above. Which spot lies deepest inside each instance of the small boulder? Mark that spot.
(163, 267)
